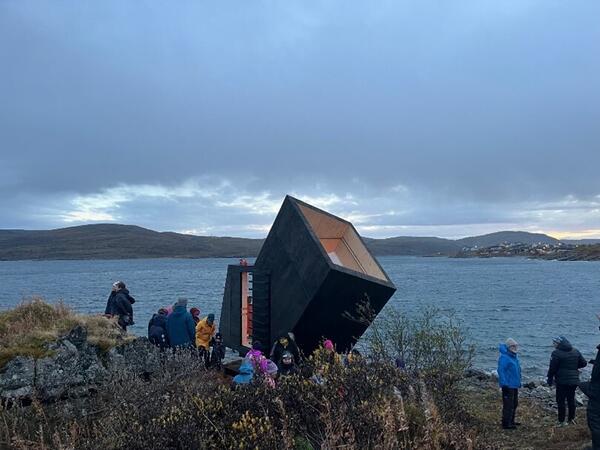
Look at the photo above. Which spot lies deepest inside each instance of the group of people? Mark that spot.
(171, 327)
(563, 372)
(286, 359)
(180, 329)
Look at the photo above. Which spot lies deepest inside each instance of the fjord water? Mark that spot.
(529, 300)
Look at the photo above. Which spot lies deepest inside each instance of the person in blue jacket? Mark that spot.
(181, 328)
(245, 375)
(509, 378)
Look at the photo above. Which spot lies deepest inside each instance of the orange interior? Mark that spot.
(342, 244)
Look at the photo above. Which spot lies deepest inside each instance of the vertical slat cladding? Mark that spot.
(262, 308)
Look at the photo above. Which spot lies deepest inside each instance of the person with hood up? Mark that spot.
(592, 390)
(565, 363)
(245, 374)
(256, 358)
(157, 329)
(284, 344)
(205, 330)
(288, 366)
(122, 306)
(180, 326)
(509, 378)
(195, 312)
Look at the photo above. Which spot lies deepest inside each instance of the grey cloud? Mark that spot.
(480, 109)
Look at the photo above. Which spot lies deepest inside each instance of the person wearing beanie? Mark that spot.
(565, 363)
(509, 379)
(181, 329)
(205, 330)
(122, 305)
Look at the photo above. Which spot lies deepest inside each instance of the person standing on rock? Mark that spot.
(109, 311)
(181, 328)
(565, 363)
(509, 378)
(123, 306)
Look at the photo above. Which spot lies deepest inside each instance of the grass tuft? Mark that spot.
(28, 329)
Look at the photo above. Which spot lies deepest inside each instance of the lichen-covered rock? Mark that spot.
(75, 367)
(70, 371)
(138, 356)
(17, 379)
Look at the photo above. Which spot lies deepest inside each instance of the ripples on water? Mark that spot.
(529, 300)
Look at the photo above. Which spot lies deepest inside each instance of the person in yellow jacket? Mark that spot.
(205, 330)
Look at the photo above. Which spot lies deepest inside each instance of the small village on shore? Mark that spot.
(559, 251)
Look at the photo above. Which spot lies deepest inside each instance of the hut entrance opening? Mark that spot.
(246, 309)
(342, 243)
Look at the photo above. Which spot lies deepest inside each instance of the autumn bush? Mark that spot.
(365, 403)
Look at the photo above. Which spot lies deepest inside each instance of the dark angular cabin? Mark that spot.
(312, 268)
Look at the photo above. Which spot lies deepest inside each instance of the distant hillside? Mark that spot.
(110, 241)
(417, 246)
(489, 240)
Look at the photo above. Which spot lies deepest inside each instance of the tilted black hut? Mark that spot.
(312, 268)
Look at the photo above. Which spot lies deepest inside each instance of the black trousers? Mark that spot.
(565, 392)
(510, 401)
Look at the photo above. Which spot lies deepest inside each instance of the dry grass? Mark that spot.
(28, 329)
(538, 422)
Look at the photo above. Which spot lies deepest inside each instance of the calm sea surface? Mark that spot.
(528, 300)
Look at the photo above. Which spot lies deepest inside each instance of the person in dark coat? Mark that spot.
(157, 329)
(218, 352)
(109, 311)
(509, 379)
(122, 306)
(288, 365)
(592, 390)
(565, 363)
(181, 329)
(284, 344)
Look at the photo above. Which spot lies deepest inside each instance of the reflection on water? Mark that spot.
(529, 300)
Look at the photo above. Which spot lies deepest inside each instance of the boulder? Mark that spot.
(71, 370)
(17, 379)
(74, 368)
(139, 356)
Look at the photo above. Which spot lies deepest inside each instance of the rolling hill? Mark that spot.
(111, 241)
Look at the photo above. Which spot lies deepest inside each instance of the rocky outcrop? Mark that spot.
(74, 368)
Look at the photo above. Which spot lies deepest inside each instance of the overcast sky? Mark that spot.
(426, 118)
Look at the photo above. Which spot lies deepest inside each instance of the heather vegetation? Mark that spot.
(366, 402)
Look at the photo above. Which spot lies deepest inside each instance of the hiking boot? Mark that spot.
(562, 424)
(517, 424)
(509, 427)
